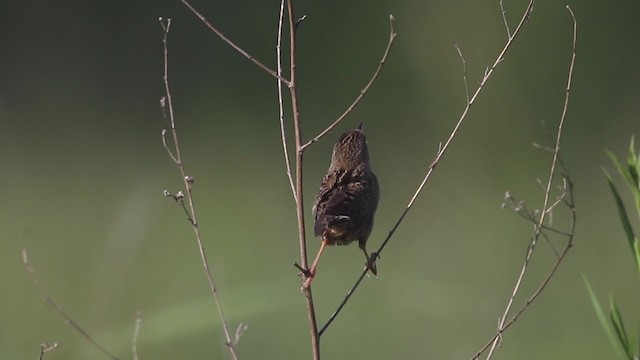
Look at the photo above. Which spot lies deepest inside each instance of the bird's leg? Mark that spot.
(312, 269)
(371, 261)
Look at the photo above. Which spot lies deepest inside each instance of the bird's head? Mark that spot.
(350, 150)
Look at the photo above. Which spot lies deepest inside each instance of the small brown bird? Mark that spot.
(347, 199)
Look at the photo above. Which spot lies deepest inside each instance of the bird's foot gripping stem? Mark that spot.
(371, 262)
(308, 274)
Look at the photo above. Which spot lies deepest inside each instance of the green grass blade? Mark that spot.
(636, 250)
(629, 173)
(633, 169)
(626, 224)
(622, 169)
(603, 319)
(637, 350)
(618, 326)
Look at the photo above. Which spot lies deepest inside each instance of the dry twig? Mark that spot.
(232, 44)
(363, 92)
(176, 156)
(67, 319)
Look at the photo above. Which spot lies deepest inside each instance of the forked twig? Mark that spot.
(441, 150)
(45, 348)
(67, 319)
(232, 44)
(504, 18)
(502, 324)
(363, 92)
(464, 72)
(188, 182)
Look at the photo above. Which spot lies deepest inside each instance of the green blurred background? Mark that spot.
(83, 171)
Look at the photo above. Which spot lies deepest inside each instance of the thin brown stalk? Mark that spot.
(233, 45)
(67, 319)
(281, 103)
(538, 227)
(311, 311)
(441, 151)
(188, 182)
(363, 92)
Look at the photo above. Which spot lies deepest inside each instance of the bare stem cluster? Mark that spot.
(190, 208)
(565, 197)
(542, 228)
(295, 178)
(296, 183)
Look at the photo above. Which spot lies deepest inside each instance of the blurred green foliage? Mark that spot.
(83, 170)
(617, 332)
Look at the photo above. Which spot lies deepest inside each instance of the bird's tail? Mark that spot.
(335, 224)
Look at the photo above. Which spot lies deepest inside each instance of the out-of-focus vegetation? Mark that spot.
(621, 338)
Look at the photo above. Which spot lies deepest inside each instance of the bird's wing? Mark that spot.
(342, 194)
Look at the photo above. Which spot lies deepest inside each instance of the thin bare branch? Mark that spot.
(344, 301)
(570, 235)
(464, 73)
(293, 89)
(281, 104)
(504, 18)
(136, 333)
(232, 44)
(538, 228)
(441, 151)
(67, 319)
(363, 92)
(188, 182)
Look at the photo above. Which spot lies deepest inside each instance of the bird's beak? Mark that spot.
(360, 126)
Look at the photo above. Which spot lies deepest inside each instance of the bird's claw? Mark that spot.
(371, 264)
(307, 283)
(303, 271)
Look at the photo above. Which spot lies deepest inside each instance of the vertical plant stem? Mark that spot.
(283, 135)
(188, 181)
(311, 312)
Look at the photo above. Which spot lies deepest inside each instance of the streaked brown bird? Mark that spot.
(347, 199)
